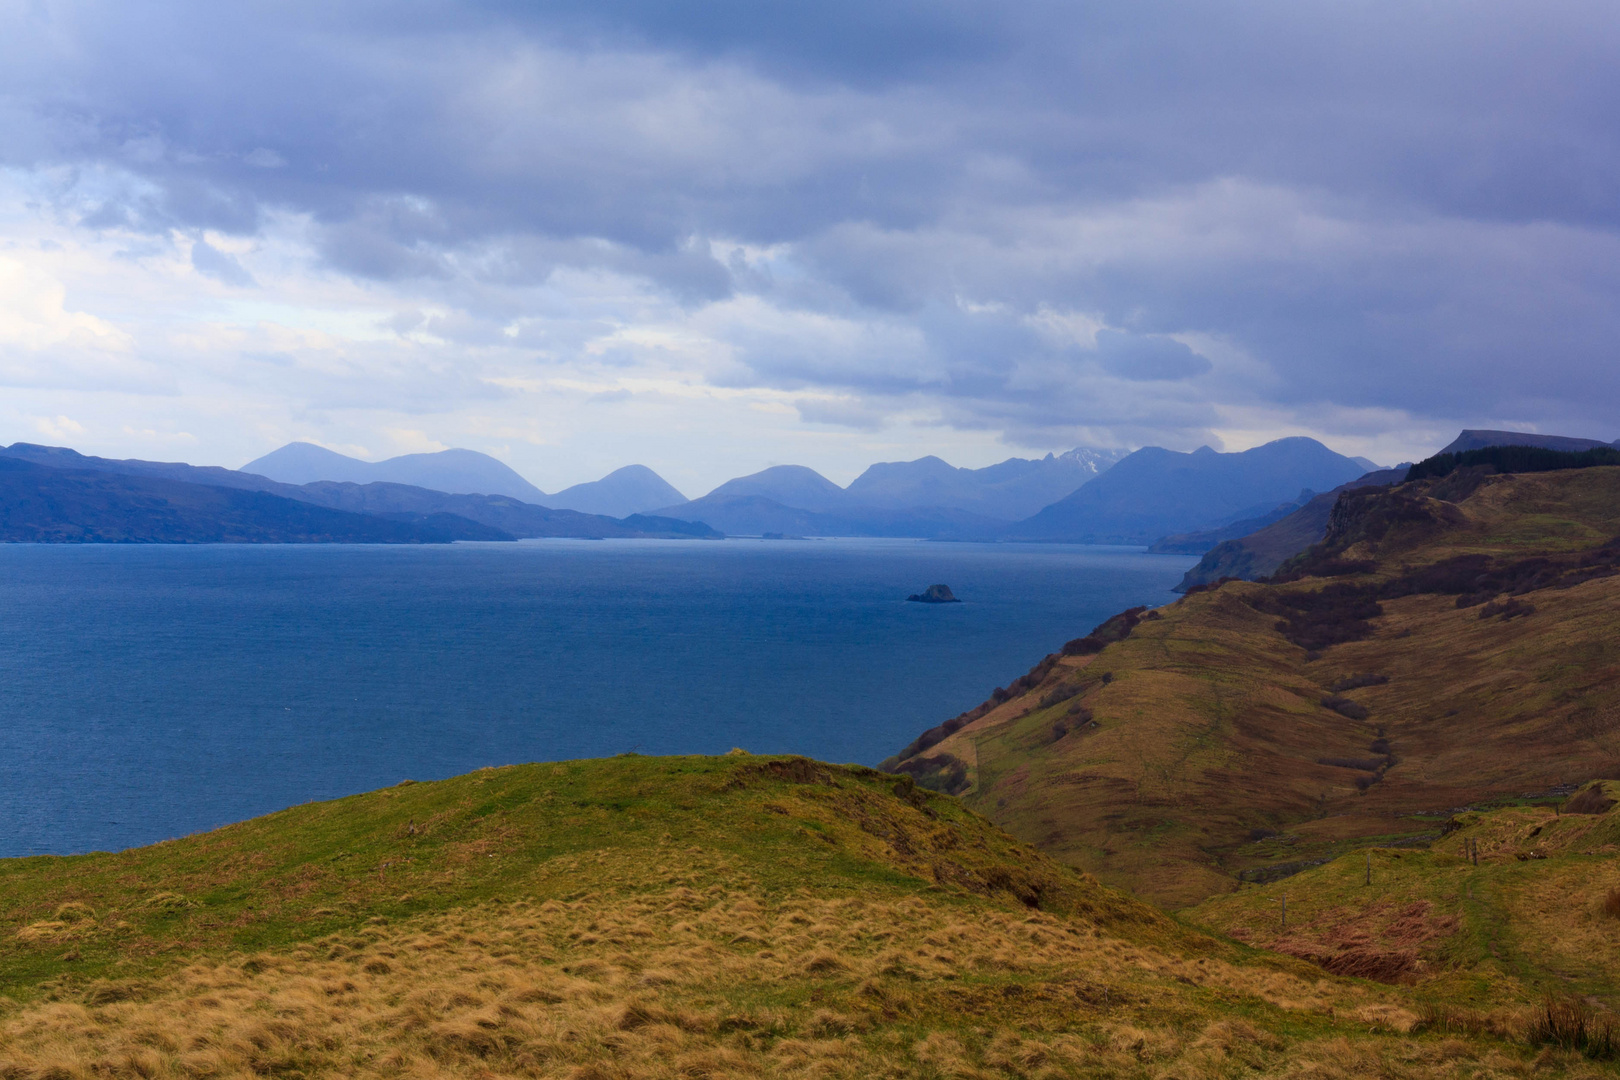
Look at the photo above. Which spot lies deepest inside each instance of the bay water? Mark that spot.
(148, 692)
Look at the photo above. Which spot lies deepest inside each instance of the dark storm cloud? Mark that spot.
(1377, 206)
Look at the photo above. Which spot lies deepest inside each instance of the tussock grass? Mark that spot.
(719, 982)
(1570, 1023)
(1531, 917)
(701, 927)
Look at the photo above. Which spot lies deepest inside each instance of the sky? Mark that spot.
(715, 236)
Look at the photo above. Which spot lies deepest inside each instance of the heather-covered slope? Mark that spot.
(644, 917)
(1451, 641)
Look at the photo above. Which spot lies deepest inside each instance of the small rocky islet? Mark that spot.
(934, 594)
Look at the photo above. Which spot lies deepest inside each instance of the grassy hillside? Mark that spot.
(641, 917)
(1452, 641)
(1509, 902)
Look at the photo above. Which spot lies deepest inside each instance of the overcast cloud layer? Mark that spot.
(714, 236)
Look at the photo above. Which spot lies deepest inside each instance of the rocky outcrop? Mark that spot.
(934, 594)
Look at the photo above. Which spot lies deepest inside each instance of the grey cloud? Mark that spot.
(1148, 358)
(418, 380)
(846, 413)
(1091, 100)
(374, 253)
(988, 369)
(214, 263)
(1381, 206)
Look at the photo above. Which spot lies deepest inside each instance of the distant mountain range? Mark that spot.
(170, 502)
(927, 497)
(456, 472)
(1011, 490)
(1258, 552)
(1156, 492)
(1243, 505)
(634, 489)
(46, 504)
(1063, 497)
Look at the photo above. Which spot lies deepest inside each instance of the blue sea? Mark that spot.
(148, 692)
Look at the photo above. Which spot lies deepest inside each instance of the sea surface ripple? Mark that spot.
(152, 691)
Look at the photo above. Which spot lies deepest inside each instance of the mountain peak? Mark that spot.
(1157, 492)
(633, 489)
(455, 471)
(791, 485)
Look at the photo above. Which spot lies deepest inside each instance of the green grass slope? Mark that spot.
(1510, 903)
(419, 848)
(658, 917)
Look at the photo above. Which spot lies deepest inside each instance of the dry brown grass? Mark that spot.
(685, 984)
(709, 918)
(1529, 917)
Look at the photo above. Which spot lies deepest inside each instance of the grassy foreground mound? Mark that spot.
(1454, 641)
(656, 917)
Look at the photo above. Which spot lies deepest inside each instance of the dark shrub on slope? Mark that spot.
(1590, 800)
(1513, 459)
(1117, 628)
(1355, 710)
